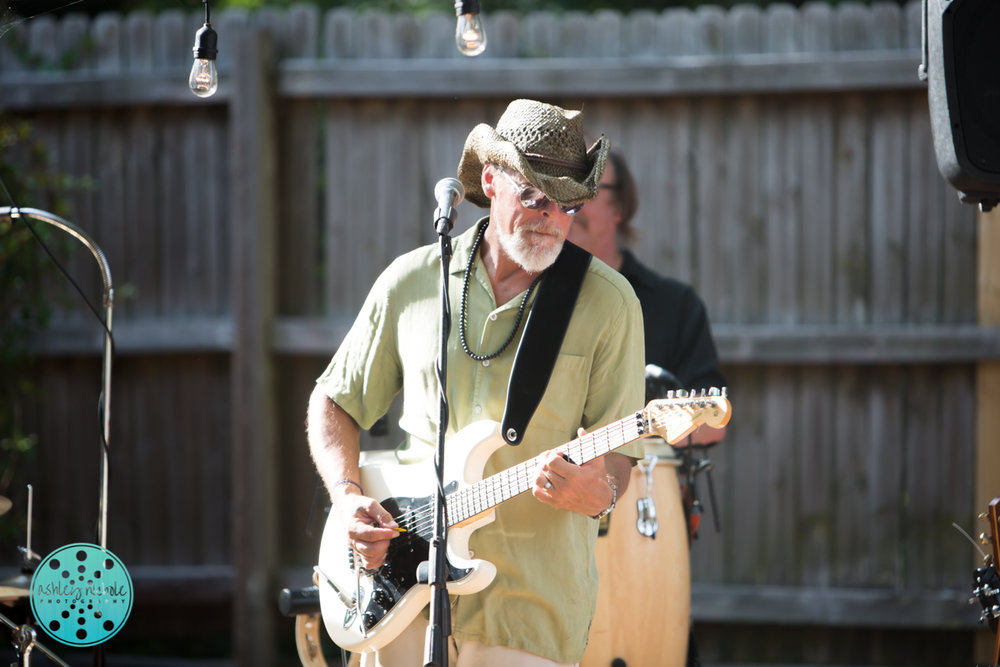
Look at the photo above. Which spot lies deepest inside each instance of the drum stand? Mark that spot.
(24, 639)
(691, 465)
(17, 590)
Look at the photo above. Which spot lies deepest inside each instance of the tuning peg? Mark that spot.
(982, 515)
(670, 393)
(983, 539)
(714, 391)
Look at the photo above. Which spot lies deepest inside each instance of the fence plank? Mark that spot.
(254, 424)
(888, 210)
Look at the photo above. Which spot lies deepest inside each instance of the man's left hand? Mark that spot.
(563, 484)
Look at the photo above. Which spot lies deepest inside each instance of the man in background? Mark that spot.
(675, 321)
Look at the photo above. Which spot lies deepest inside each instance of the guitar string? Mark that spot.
(516, 480)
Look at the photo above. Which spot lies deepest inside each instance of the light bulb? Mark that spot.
(470, 37)
(204, 78)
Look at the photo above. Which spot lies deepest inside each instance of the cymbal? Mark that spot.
(5, 504)
(15, 588)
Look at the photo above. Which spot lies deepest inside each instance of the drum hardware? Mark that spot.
(16, 590)
(689, 468)
(647, 523)
(17, 587)
(13, 589)
(24, 639)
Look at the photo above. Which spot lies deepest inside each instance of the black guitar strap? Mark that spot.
(543, 335)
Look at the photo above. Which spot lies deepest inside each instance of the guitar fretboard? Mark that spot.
(486, 494)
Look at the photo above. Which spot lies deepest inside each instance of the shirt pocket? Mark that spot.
(560, 411)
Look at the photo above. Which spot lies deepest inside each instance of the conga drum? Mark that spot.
(643, 612)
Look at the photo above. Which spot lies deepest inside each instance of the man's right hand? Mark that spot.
(369, 526)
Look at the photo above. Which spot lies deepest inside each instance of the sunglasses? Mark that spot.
(533, 198)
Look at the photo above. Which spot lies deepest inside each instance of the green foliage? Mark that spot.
(23, 308)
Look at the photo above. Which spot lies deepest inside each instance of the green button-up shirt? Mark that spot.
(545, 592)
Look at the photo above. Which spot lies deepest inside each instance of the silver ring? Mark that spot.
(548, 484)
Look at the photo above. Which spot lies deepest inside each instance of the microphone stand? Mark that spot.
(439, 628)
(15, 213)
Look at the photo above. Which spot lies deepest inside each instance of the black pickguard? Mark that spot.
(398, 574)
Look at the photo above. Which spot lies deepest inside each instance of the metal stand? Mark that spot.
(439, 627)
(24, 639)
(15, 213)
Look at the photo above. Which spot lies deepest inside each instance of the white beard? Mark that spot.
(529, 256)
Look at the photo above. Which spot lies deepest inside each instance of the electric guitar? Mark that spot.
(987, 581)
(363, 610)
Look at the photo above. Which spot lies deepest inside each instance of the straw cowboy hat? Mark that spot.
(542, 142)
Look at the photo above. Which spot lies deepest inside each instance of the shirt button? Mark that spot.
(477, 409)
(493, 317)
(486, 362)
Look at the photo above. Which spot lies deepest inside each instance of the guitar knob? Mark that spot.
(381, 599)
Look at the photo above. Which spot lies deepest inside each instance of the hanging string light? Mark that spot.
(204, 78)
(470, 37)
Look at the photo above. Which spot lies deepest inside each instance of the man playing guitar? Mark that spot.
(533, 172)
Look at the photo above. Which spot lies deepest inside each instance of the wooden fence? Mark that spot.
(786, 170)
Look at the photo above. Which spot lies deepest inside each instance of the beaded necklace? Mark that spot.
(465, 299)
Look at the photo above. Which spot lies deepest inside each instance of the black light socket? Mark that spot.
(206, 43)
(466, 7)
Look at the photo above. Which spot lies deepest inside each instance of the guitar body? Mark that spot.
(390, 597)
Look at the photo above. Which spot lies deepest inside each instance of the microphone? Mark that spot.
(449, 194)
(659, 381)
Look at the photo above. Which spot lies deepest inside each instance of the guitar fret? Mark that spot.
(500, 487)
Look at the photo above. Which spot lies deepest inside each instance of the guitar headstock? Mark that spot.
(987, 580)
(675, 416)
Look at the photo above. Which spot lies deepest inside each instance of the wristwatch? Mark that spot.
(614, 499)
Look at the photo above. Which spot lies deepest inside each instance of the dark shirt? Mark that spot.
(675, 322)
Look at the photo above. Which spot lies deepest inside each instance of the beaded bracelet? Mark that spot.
(350, 481)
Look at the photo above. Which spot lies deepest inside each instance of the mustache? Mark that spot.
(541, 228)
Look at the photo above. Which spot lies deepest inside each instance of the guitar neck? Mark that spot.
(486, 494)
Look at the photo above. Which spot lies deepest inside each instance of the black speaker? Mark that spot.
(962, 51)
